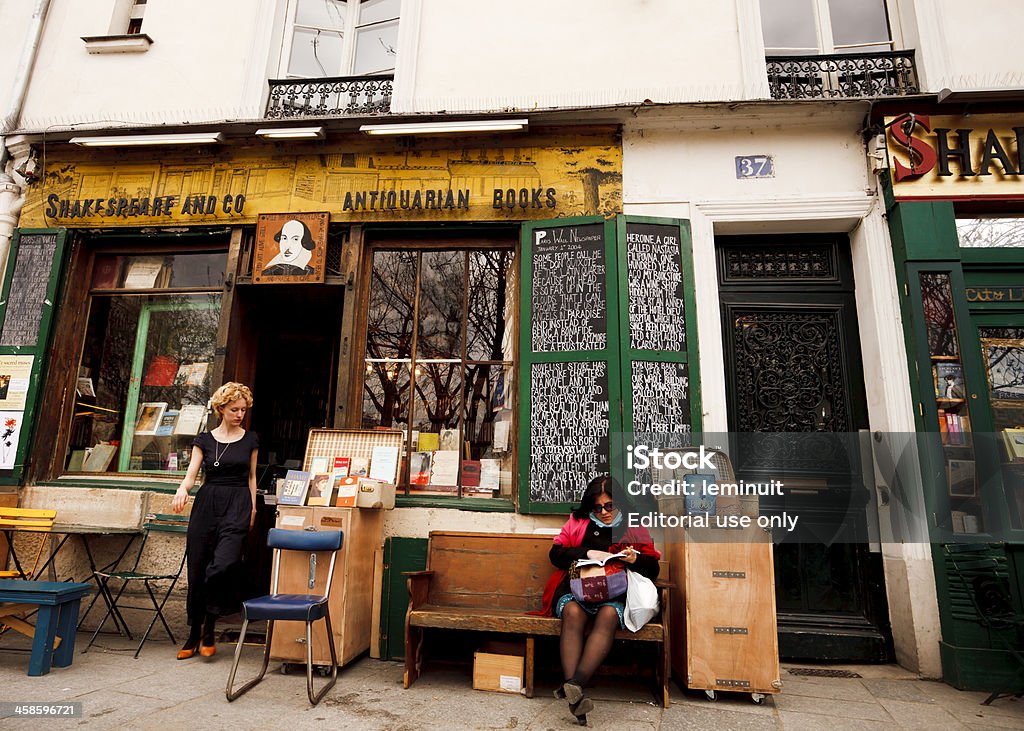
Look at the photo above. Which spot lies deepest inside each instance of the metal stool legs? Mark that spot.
(313, 698)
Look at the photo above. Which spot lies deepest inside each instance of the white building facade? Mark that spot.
(755, 122)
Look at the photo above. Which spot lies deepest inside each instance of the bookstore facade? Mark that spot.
(355, 284)
(955, 203)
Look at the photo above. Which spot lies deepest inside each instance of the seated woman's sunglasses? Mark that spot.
(607, 507)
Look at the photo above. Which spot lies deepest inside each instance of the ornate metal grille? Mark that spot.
(745, 264)
(789, 372)
(329, 97)
(843, 75)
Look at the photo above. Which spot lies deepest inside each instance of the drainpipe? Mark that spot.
(11, 194)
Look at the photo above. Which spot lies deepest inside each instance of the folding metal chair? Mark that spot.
(155, 524)
(26, 520)
(295, 607)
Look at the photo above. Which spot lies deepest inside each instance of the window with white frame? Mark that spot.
(127, 17)
(806, 27)
(340, 38)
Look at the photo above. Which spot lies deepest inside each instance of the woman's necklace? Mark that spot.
(218, 453)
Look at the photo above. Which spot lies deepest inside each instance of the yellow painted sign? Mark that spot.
(947, 157)
(551, 174)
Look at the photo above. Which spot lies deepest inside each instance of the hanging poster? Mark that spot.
(10, 433)
(15, 371)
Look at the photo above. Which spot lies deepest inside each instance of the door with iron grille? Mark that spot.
(796, 402)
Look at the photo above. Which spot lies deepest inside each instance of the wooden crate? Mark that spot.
(349, 443)
(726, 600)
(352, 601)
(724, 597)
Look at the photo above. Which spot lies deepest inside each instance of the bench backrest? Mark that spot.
(491, 570)
(27, 519)
(488, 570)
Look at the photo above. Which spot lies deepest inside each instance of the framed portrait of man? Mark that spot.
(290, 248)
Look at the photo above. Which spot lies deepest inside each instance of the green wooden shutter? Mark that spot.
(658, 332)
(568, 360)
(647, 357)
(31, 283)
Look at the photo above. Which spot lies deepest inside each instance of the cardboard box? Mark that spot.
(498, 666)
(375, 494)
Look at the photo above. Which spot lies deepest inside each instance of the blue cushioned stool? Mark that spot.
(294, 607)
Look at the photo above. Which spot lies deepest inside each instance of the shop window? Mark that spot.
(146, 373)
(806, 27)
(966, 514)
(990, 232)
(1002, 350)
(439, 366)
(329, 38)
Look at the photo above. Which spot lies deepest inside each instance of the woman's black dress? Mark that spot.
(218, 526)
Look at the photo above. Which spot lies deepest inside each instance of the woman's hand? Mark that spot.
(631, 554)
(180, 500)
(597, 555)
(252, 519)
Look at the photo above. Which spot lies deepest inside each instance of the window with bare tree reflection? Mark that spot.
(439, 365)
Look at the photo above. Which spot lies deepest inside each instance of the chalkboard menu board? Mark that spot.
(661, 403)
(28, 289)
(568, 297)
(568, 428)
(655, 274)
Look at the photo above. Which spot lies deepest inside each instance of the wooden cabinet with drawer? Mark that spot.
(352, 593)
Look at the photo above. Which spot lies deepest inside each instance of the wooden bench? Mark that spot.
(486, 582)
(53, 637)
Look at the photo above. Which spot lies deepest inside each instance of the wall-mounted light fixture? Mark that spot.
(440, 128)
(190, 138)
(291, 133)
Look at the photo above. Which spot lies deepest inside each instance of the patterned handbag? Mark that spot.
(597, 584)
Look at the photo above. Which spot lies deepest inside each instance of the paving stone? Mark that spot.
(844, 689)
(913, 691)
(680, 717)
(983, 719)
(920, 716)
(834, 708)
(800, 721)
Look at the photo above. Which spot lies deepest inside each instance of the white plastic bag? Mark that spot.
(641, 601)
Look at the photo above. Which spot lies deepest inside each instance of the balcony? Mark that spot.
(330, 97)
(843, 75)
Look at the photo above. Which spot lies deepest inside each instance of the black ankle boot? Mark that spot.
(208, 643)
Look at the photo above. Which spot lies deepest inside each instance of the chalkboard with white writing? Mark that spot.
(568, 296)
(655, 274)
(27, 297)
(661, 403)
(568, 428)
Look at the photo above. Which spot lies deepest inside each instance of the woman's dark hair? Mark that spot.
(308, 242)
(600, 485)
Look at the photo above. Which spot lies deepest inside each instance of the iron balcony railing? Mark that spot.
(843, 75)
(329, 97)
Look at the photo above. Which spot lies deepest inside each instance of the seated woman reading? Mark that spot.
(589, 534)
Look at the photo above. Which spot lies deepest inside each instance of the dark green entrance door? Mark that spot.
(793, 365)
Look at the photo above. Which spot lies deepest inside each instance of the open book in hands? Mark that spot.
(580, 563)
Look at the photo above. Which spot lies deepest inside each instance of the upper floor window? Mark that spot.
(341, 38)
(805, 27)
(138, 9)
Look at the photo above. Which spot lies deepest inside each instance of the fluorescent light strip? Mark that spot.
(291, 133)
(437, 128)
(192, 138)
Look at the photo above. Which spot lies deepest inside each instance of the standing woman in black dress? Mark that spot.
(222, 514)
